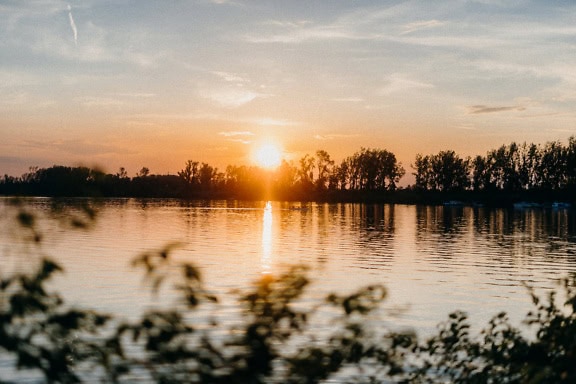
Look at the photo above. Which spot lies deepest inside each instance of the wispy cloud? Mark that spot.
(235, 133)
(480, 109)
(419, 25)
(349, 99)
(334, 136)
(102, 102)
(78, 147)
(242, 141)
(287, 23)
(226, 2)
(387, 23)
(306, 34)
(137, 95)
(275, 122)
(398, 82)
(231, 77)
(233, 98)
(73, 25)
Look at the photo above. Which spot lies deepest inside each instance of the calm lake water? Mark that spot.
(433, 260)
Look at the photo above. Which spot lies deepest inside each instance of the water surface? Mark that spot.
(433, 260)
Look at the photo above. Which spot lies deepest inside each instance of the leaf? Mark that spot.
(26, 219)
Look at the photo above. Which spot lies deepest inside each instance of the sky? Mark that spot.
(156, 83)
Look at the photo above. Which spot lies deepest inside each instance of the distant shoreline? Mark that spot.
(538, 175)
(497, 199)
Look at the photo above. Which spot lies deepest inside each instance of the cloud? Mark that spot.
(235, 133)
(285, 23)
(349, 99)
(236, 136)
(375, 23)
(233, 98)
(480, 109)
(226, 2)
(307, 34)
(242, 141)
(333, 136)
(78, 147)
(73, 25)
(398, 82)
(137, 95)
(101, 102)
(231, 77)
(276, 122)
(419, 25)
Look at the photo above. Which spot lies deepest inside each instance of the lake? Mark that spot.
(432, 259)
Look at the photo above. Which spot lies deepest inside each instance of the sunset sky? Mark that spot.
(155, 83)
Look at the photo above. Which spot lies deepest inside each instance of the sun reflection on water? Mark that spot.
(267, 239)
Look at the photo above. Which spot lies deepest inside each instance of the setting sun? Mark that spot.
(268, 156)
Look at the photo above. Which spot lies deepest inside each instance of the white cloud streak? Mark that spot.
(398, 82)
(420, 25)
(335, 136)
(236, 133)
(233, 98)
(73, 25)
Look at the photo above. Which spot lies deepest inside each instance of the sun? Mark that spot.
(268, 156)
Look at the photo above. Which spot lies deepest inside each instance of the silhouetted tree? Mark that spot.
(371, 170)
(306, 172)
(122, 174)
(552, 169)
(445, 171)
(571, 162)
(480, 174)
(190, 174)
(324, 165)
(207, 176)
(143, 172)
(285, 178)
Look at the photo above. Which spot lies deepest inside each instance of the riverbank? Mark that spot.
(497, 199)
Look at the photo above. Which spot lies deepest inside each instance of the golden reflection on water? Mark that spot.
(267, 239)
(434, 259)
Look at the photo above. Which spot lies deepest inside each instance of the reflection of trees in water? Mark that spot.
(508, 238)
(440, 232)
(499, 225)
(375, 227)
(377, 217)
(367, 230)
(496, 239)
(434, 220)
(533, 225)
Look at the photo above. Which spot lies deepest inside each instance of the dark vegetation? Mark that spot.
(277, 339)
(515, 172)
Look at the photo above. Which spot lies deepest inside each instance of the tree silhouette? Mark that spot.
(324, 165)
(445, 171)
(143, 172)
(190, 173)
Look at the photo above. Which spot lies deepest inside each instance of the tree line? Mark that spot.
(312, 175)
(511, 168)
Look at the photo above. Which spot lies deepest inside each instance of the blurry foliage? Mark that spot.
(277, 340)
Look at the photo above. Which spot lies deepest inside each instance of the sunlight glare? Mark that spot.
(267, 239)
(268, 156)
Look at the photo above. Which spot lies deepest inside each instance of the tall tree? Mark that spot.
(190, 174)
(324, 165)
